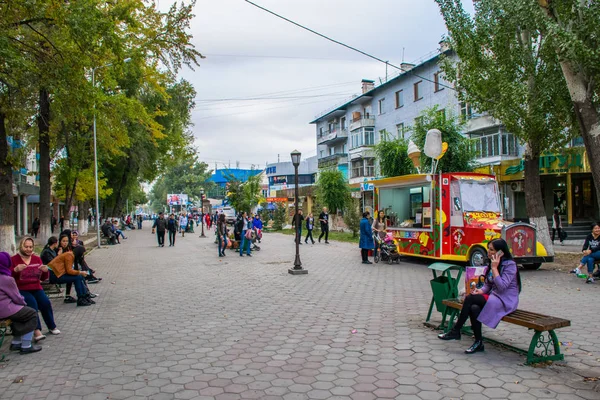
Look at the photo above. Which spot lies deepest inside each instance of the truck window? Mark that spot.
(479, 195)
(407, 207)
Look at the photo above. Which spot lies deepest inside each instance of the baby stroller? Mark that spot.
(387, 249)
(255, 238)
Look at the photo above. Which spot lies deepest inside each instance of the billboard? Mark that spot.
(177, 199)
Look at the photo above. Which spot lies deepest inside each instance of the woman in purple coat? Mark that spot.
(498, 297)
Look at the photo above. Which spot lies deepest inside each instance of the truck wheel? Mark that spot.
(477, 257)
(532, 267)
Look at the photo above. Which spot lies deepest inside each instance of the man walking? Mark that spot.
(324, 220)
(160, 226)
(183, 222)
(298, 221)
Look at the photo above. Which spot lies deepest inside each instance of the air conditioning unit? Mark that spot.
(517, 186)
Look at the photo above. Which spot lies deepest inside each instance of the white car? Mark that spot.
(229, 215)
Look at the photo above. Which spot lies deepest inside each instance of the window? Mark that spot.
(417, 90)
(344, 149)
(357, 139)
(331, 151)
(465, 111)
(479, 196)
(321, 154)
(498, 144)
(419, 121)
(436, 82)
(399, 98)
(369, 137)
(343, 123)
(381, 104)
(331, 127)
(369, 167)
(383, 135)
(407, 205)
(321, 132)
(357, 168)
(367, 111)
(400, 130)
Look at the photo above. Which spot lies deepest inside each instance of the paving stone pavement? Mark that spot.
(180, 323)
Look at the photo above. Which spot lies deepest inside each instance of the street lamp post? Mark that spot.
(297, 270)
(202, 208)
(96, 153)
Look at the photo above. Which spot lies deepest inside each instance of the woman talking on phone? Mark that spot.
(498, 297)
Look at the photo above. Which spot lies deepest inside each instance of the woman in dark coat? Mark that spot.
(498, 297)
(366, 242)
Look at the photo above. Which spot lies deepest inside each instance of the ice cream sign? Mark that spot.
(434, 148)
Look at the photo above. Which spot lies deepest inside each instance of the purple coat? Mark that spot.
(504, 295)
(11, 300)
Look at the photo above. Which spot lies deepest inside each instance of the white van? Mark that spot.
(229, 215)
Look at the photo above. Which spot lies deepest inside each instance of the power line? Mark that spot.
(347, 46)
(279, 57)
(216, 106)
(277, 98)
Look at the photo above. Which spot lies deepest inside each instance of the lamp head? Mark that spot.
(296, 157)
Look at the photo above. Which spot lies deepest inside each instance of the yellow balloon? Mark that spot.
(444, 149)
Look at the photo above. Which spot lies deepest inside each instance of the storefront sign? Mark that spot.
(366, 187)
(277, 199)
(551, 164)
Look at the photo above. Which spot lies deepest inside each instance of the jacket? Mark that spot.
(11, 300)
(366, 235)
(221, 229)
(107, 230)
(30, 278)
(172, 225)
(503, 294)
(258, 223)
(310, 223)
(239, 225)
(160, 224)
(63, 264)
(47, 255)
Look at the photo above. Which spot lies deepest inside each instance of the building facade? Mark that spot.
(346, 135)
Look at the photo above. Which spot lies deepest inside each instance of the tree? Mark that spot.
(392, 156)
(508, 67)
(573, 27)
(460, 156)
(333, 190)
(352, 216)
(244, 196)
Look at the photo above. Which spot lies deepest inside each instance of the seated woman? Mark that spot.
(75, 239)
(116, 230)
(28, 271)
(12, 306)
(591, 253)
(496, 299)
(61, 271)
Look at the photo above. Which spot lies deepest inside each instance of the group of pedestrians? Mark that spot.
(22, 296)
(309, 222)
(174, 224)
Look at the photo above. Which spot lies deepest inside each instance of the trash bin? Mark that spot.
(440, 287)
(443, 286)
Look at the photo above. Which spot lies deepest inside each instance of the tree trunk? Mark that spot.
(7, 201)
(587, 116)
(118, 207)
(82, 221)
(45, 184)
(534, 199)
(69, 195)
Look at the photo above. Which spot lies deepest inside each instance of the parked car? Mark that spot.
(229, 215)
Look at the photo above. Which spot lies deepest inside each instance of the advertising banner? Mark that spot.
(177, 199)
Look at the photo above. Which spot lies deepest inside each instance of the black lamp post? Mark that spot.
(297, 270)
(202, 208)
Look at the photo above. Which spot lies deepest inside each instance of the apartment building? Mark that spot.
(346, 134)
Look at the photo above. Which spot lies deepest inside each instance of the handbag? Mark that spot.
(249, 234)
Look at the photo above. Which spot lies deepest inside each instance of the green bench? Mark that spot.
(544, 339)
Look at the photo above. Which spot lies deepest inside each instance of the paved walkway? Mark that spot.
(180, 323)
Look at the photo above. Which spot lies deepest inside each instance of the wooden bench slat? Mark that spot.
(523, 318)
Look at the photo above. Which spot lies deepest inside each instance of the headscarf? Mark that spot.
(5, 264)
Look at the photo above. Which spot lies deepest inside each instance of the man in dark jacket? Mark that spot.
(107, 232)
(160, 227)
(298, 220)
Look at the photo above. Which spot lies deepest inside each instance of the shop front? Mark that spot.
(567, 186)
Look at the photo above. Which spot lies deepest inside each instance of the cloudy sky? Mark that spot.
(264, 79)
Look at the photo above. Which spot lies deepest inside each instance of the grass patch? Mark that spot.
(333, 235)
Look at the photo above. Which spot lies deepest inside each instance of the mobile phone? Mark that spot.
(500, 253)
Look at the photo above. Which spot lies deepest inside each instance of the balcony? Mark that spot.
(332, 136)
(367, 122)
(333, 160)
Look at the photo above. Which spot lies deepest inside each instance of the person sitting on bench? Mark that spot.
(498, 297)
(12, 306)
(108, 233)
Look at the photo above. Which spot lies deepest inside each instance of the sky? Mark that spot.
(264, 79)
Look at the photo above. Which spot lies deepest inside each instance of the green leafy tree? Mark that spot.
(279, 216)
(352, 216)
(333, 190)
(244, 196)
(460, 156)
(392, 156)
(573, 27)
(508, 67)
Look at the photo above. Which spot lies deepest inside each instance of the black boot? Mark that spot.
(81, 302)
(477, 346)
(452, 335)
